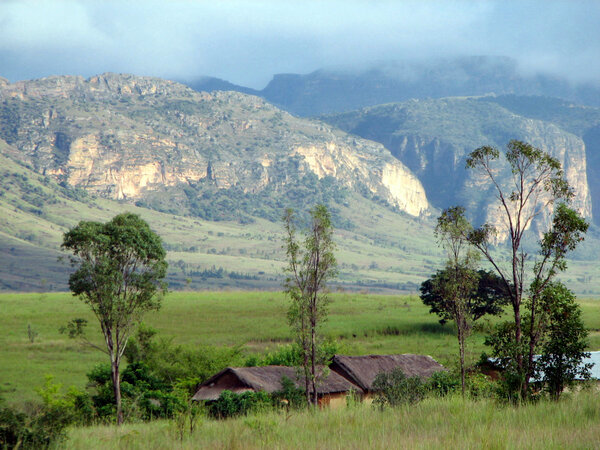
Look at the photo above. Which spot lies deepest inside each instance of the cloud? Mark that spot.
(247, 42)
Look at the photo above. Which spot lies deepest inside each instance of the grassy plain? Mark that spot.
(449, 422)
(360, 323)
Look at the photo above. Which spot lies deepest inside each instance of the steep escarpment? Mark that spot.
(434, 137)
(161, 144)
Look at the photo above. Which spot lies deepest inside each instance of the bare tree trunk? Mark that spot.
(461, 344)
(518, 337)
(117, 389)
(313, 366)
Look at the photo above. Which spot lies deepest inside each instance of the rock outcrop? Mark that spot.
(434, 137)
(124, 137)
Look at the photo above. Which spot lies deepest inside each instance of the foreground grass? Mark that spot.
(449, 422)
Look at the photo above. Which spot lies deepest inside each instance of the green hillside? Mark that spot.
(382, 250)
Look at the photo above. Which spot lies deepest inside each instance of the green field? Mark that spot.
(359, 323)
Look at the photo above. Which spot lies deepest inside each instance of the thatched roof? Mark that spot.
(362, 370)
(266, 378)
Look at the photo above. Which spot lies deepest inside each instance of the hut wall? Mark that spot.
(333, 401)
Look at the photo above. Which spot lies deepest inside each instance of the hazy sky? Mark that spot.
(246, 42)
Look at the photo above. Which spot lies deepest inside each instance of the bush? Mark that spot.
(294, 396)
(232, 405)
(443, 383)
(478, 385)
(290, 355)
(175, 364)
(145, 396)
(41, 427)
(395, 389)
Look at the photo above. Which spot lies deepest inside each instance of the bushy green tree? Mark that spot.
(489, 297)
(120, 270)
(563, 349)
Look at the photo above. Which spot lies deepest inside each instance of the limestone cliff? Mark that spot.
(434, 137)
(126, 137)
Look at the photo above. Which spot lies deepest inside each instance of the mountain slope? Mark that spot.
(433, 138)
(385, 250)
(223, 155)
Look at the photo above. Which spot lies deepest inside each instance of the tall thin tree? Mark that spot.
(310, 266)
(458, 283)
(535, 186)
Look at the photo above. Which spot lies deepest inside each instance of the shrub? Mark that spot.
(230, 404)
(41, 427)
(294, 396)
(395, 389)
(145, 396)
(443, 383)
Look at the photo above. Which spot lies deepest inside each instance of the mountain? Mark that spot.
(211, 84)
(224, 155)
(333, 90)
(212, 174)
(434, 137)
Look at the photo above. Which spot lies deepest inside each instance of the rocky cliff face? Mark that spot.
(434, 137)
(126, 137)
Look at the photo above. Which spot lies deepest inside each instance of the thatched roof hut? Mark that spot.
(266, 378)
(362, 370)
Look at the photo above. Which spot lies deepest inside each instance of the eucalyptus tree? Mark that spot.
(311, 264)
(536, 185)
(120, 270)
(458, 282)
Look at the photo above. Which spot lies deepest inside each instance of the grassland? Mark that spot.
(360, 323)
(435, 423)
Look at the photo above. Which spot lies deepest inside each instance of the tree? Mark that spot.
(489, 297)
(457, 283)
(120, 270)
(537, 184)
(309, 269)
(563, 349)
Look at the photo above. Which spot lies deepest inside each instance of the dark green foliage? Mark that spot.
(490, 297)
(40, 428)
(443, 383)
(563, 349)
(145, 396)
(291, 355)
(395, 388)
(290, 396)
(176, 364)
(231, 405)
(43, 425)
(506, 352)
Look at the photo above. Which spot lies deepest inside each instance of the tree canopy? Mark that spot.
(120, 270)
(489, 297)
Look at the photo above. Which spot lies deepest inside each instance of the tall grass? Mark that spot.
(449, 422)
